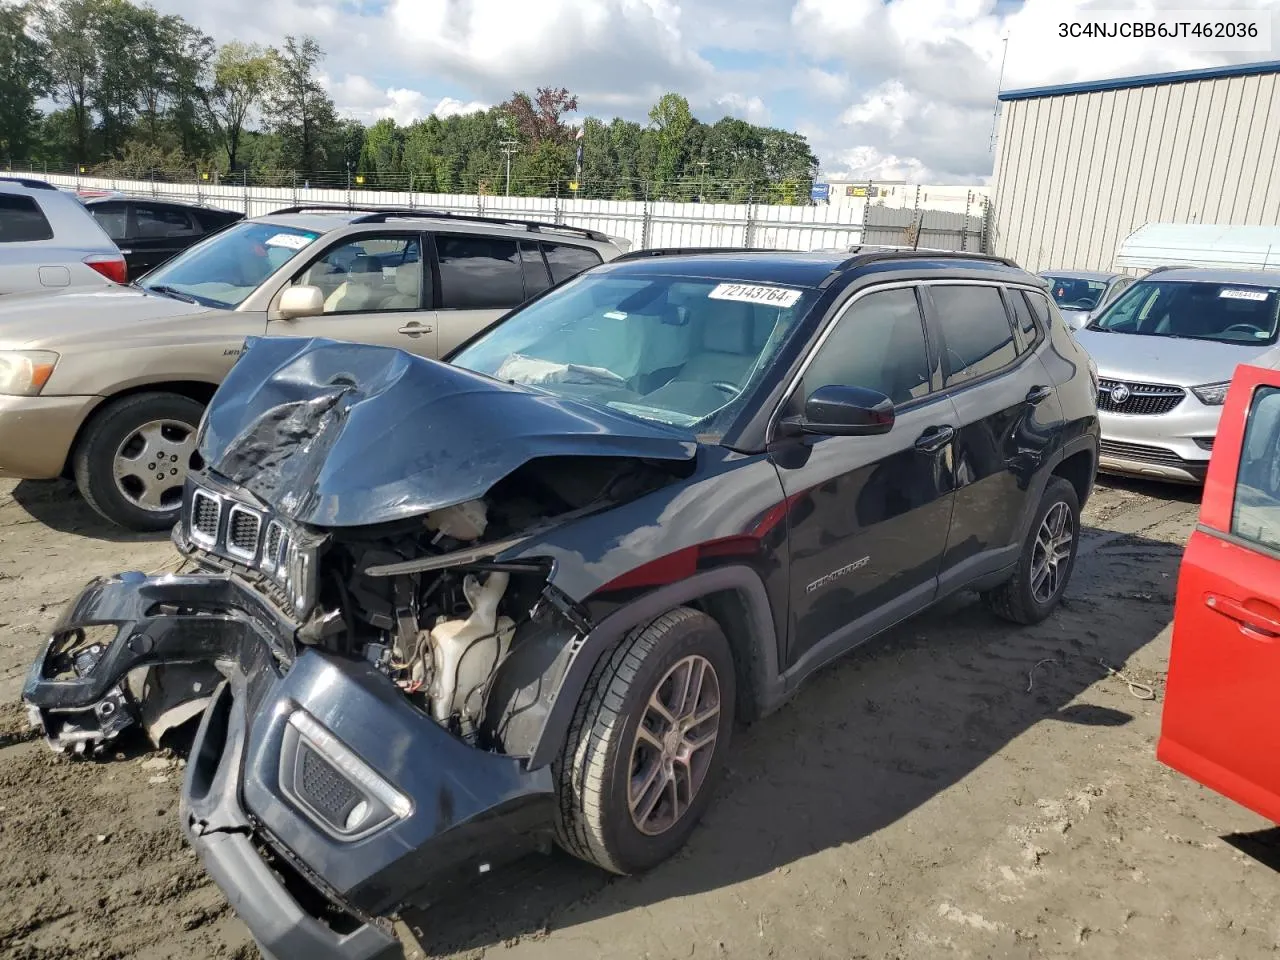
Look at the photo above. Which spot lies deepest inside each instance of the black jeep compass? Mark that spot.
(444, 613)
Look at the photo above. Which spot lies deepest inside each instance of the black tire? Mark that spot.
(1016, 599)
(94, 458)
(593, 773)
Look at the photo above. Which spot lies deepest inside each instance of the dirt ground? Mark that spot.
(957, 788)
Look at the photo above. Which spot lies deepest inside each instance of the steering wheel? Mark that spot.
(1243, 328)
(1077, 305)
(726, 387)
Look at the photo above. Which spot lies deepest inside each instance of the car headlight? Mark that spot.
(1212, 394)
(24, 372)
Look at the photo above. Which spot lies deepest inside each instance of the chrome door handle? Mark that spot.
(415, 329)
(934, 439)
(1039, 394)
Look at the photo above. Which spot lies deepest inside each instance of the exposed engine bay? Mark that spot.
(422, 599)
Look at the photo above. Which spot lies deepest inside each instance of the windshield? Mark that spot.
(224, 269)
(1222, 312)
(1074, 293)
(678, 350)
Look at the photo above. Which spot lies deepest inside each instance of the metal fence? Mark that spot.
(644, 223)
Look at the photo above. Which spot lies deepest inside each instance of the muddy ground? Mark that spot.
(958, 788)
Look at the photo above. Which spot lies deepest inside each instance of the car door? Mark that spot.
(1008, 411)
(157, 232)
(868, 516)
(1221, 720)
(376, 289)
(479, 277)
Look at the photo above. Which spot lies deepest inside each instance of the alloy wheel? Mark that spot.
(674, 745)
(1052, 552)
(150, 465)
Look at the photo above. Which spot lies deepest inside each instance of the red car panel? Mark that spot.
(1221, 721)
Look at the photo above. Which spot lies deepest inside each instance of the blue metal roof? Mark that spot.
(1147, 80)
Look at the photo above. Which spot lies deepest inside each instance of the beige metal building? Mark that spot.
(1080, 167)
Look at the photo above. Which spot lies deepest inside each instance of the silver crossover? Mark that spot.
(1166, 350)
(1080, 294)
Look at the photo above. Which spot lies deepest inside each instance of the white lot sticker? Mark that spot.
(289, 240)
(751, 293)
(615, 315)
(1230, 294)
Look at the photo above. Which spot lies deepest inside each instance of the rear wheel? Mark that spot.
(132, 461)
(1048, 557)
(646, 744)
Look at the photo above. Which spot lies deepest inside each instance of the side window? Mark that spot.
(113, 218)
(1255, 515)
(1023, 320)
(976, 336)
(21, 220)
(479, 273)
(535, 271)
(1040, 307)
(877, 344)
(369, 274)
(566, 260)
(158, 223)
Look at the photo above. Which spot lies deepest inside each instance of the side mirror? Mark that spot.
(840, 411)
(298, 302)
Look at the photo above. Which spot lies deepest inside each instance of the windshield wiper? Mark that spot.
(168, 291)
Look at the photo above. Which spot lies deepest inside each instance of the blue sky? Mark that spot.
(894, 89)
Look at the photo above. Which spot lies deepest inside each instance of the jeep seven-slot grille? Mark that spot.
(206, 511)
(1138, 399)
(323, 788)
(243, 527)
(271, 551)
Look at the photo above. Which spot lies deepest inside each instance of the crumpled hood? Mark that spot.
(340, 434)
(1187, 363)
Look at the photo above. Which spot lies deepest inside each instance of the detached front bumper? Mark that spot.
(317, 796)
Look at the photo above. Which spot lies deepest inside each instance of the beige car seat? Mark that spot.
(408, 285)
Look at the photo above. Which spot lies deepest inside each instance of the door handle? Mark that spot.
(415, 329)
(1252, 623)
(934, 439)
(1039, 394)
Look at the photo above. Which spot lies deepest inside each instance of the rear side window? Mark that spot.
(21, 220)
(1040, 306)
(479, 273)
(1023, 319)
(976, 336)
(113, 218)
(535, 271)
(1255, 515)
(565, 260)
(158, 223)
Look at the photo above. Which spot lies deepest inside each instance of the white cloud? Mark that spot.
(449, 107)
(751, 109)
(886, 85)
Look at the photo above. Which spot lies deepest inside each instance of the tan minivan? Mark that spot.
(108, 385)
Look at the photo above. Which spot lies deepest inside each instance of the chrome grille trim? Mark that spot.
(243, 526)
(273, 545)
(1141, 399)
(206, 515)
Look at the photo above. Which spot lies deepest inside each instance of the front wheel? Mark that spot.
(647, 741)
(132, 462)
(1047, 559)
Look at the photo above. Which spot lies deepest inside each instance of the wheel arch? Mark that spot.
(733, 596)
(198, 390)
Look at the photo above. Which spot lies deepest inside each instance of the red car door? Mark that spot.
(1221, 721)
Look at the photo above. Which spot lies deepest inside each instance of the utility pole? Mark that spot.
(509, 147)
(995, 113)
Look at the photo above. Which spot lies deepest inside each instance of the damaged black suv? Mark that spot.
(443, 614)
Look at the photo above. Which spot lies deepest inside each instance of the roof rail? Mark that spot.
(1160, 269)
(29, 182)
(382, 214)
(681, 251)
(875, 254)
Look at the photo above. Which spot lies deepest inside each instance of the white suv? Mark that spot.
(49, 241)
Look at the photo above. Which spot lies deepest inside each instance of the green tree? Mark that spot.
(68, 29)
(24, 78)
(670, 119)
(297, 107)
(242, 76)
(383, 149)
